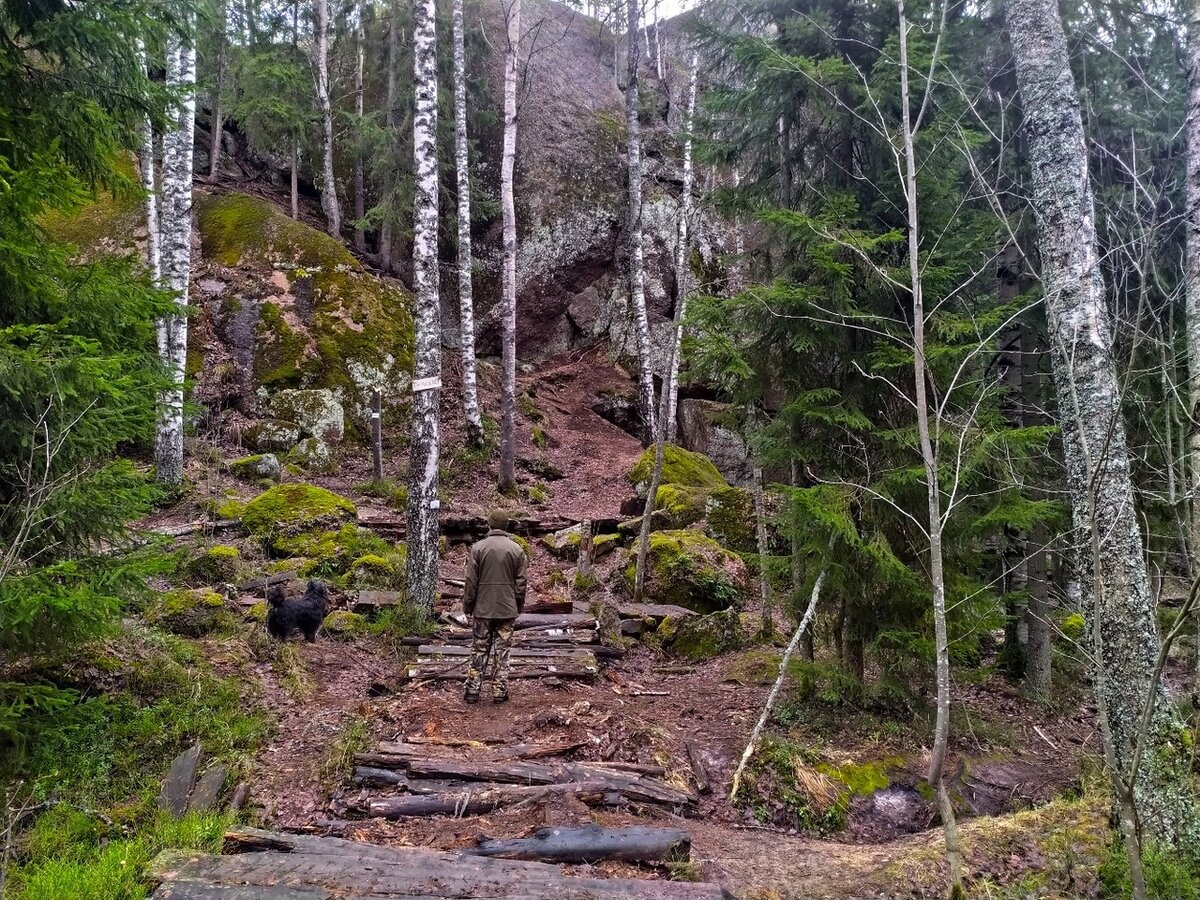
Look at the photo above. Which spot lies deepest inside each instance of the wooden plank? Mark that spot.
(517, 652)
(550, 607)
(191, 890)
(361, 871)
(368, 776)
(177, 787)
(533, 620)
(591, 844)
(521, 670)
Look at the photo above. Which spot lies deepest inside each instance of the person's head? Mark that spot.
(498, 519)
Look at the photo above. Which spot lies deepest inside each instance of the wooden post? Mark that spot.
(585, 548)
(377, 433)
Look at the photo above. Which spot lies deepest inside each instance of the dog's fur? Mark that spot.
(286, 614)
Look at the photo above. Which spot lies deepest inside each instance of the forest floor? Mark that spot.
(1031, 823)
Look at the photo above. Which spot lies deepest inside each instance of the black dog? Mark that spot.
(286, 614)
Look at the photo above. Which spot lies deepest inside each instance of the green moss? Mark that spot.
(280, 353)
(521, 542)
(731, 519)
(192, 613)
(249, 468)
(374, 570)
(257, 612)
(539, 437)
(703, 637)
(360, 331)
(757, 666)
(680, 467)
(216, 564)
(1073, 626)
(344, 624)
(537, 494)
(687, 569)
(108, 222)
(311, 455)
(291, 509)
(681, 505)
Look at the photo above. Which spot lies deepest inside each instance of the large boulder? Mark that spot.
(287, 510)
(272, 435)
(688, 569)
(702, 430)
(316, 411)
(731, 518)
(680, 467)
(288, 306)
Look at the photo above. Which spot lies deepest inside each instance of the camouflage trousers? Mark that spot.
(491, 642)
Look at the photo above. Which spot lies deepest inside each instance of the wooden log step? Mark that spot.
(591, 844)
(521, 670)
(481, 798)
(517, 652)
(653, 611)
(192, 890)
(359, 871)
(533, 620)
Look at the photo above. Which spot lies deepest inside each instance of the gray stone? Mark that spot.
(313, 455)
(273, 434)
(317, 411)
(724, 446)
(265, 465)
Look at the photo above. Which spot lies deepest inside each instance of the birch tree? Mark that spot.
(1117, 599)
(508, 295)
(146, 171)
(329, 198)
(466, 302)
(424, 448)
(1192, 287)
(175, 224)
(637, 291)
(360, 199)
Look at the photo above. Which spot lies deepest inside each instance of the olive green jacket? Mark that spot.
(495, 586)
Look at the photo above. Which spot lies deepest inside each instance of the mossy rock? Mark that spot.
(681, 505)
(680, 467)
(316, 411)
(374, 570)
(292, 509)
(257, 612)
(565, 544)
(731, 519)
(698, 638)
(189, 613)
(353, 334)
(272, 435)
(261, 466)
(311, 455)
(109, 222)
(757, 666)
(333, 552)
(521, 542)
(343, 624)
(688, 569)
(216, 565)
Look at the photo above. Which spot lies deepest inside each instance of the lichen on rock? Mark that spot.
(272, 435)
(258, 467)
(311, 455)
(316, 411)
(730, 515)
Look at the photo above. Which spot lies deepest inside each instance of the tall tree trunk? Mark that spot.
(1038, 655)
(637, 290)
(149, 181)
(508, 295)
(389, 116)
(176, 248)
(658, 63)
(329, 198)
(941, 733)
(1192, 293)
(466, 301)
(807, 647)
(1093, 433)
(427, 359)
(295, 174)
(360, 188)
(767, 626)
(218, 114)
(682, 272)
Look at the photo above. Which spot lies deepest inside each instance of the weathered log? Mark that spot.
(518, 652)
(653, 611)
(356, 870)
(193, 890)
(699, 773)
(367, 776)
(636, 768)
(482, 799)
(550, 607)
(591, 844)
(194, 527)
(252, 840)
(533, 620)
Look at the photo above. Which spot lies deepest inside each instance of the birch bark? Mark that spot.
(1093, 433)
(389, 117)
(637, 291)
(681, 254)
(1192, 290)
(508, 298)
(427, 358)
(149, 183)
(937, 580)
(329, 198)
(466, 301)
(360, 191)
(175, 224)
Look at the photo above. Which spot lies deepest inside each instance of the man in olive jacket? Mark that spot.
(494, 596)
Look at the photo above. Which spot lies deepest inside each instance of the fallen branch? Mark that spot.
(783, 666)
(591, 844)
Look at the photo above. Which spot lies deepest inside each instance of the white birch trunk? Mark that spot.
(427, 357)
(1192, 292)
(681, 255)
(941, 734)
(658, 64)
(360, 189)
(389, 115)
(175, 224)
(466, 301)
(637, 291)
(1097, 459)
(329, 198)
(149, 181)
(508, 296)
